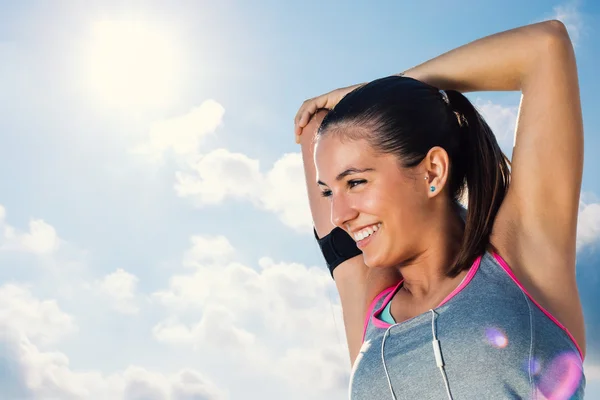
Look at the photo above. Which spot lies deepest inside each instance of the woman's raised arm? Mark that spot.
(535, 228)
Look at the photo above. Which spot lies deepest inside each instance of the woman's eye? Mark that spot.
(355, 182)
(351, 184)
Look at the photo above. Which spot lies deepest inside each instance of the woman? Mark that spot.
(441, 302)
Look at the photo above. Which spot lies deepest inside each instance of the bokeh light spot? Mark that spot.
(496, 337)
(562, 377)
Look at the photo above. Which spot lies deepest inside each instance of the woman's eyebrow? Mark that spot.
(348, 171)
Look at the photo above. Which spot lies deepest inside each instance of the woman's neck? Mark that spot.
(425, 276)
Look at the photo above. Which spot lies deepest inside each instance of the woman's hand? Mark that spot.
(310, 106)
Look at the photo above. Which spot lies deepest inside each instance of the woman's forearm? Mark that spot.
(502, 61)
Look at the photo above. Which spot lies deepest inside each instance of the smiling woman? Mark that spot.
(446, 301)
(131, 65)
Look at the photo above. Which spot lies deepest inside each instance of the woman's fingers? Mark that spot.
(310, 107)
(302, 118)
(306, 111)
(302, 110)
(307, 114)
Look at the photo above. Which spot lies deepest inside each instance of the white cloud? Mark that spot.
(120, 288)
(182, 134)
(502, 120)
(190, 385)
(218, 175)
(209, 179)
(256, 315)
(35, 374)
(43, 375)
(588, 224)
(41, 321)
(569, 15)
(222, 174)
(216, 328)
(283, 298)
(27, 323)
(322, 369)
(187, 384)
(41, 238)
(208, 249)
(285, 193)
(145, 385)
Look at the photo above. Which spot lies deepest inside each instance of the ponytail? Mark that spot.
(486, 170)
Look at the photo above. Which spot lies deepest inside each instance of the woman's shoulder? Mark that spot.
(537, 273)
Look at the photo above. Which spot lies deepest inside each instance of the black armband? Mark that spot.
(337, 247)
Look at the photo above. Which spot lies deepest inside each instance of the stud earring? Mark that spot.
(432, 188)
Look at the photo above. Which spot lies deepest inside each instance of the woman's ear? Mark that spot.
(437, 165)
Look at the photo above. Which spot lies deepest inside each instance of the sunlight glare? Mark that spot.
(132, 65)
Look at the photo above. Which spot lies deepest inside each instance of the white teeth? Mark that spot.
(366, 232)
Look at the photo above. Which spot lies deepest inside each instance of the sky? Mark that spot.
(155, 236)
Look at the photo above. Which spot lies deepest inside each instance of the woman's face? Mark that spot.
(381, 205)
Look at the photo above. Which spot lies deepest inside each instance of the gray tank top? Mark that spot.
(494, 341)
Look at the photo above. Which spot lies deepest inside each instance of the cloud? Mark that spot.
(502, 120)
(211, 178)
(256, 315)
(588, 224)
(221, 174)
(265, 293)
(29, 373)
(41, 238)
(190, 385)
(120, 288)
(285, 193)
(41, 321)
(37, 374)
(218, 175)
(141, 384)
(322, 369)
(216, 328)
(208, 249)
(182, 134)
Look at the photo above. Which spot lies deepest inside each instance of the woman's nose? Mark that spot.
(341, 211)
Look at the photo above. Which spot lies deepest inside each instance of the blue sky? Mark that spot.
(154, 235)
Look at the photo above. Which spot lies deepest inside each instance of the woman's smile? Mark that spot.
(364, 236)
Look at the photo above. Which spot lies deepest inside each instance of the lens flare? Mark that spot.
(496, 337)
(533, 366)
(561, 378)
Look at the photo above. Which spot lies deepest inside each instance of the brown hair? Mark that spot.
(407, 118)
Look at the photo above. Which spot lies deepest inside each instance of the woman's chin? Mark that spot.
(375, 263)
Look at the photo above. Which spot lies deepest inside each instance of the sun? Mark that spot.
(132, 65)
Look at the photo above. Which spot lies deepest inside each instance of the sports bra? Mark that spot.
(386, 315)
(489, 339)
